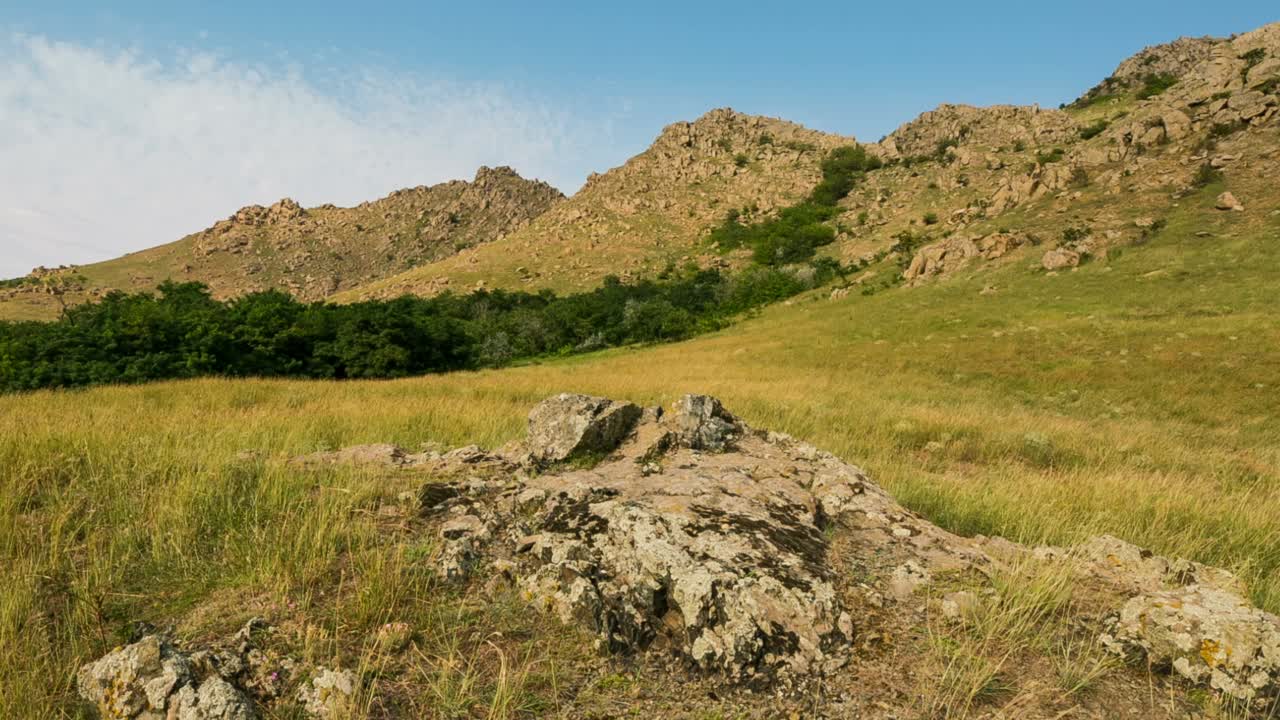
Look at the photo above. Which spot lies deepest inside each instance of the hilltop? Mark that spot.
(310, 252)
(634, 220)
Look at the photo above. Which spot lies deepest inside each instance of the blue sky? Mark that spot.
(136, 123)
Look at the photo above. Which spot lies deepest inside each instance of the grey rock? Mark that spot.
(703, 424)
(151, 679)
(1227, 201)
(717, 554)
(1060, 259)
(567, 426)
(1205, 634)
(330, 695)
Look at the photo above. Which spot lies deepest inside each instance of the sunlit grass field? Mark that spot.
(1136, 396)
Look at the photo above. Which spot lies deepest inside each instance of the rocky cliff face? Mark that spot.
(1173, 59)
(981, 182)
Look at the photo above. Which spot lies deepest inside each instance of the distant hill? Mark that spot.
(313, 252)
(635, 219)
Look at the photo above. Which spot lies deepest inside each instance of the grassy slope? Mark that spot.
(1135, 396)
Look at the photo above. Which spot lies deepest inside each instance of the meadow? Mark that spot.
(1135, 396)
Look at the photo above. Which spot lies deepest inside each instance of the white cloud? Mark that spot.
(108, 151)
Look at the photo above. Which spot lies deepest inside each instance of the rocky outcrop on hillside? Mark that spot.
(1174, 59)
(968, 169)
(315, 253)
(953, 253)
(961, 131)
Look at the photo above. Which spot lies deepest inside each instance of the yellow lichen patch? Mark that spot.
(1209, 653)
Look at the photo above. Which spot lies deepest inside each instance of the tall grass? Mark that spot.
(1135, 397)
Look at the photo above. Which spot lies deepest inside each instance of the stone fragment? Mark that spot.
(1228, 201)
(330, 695)
(567, 425)
(1060, 259)
(1207, 635)
(151, 680)
(703, 424)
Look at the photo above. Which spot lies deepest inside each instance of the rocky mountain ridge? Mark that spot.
(961, 183)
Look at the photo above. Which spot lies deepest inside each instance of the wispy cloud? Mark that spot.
(106, 151)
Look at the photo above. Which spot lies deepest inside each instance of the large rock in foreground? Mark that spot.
(696, 534)
(699, 536)
(154, 680)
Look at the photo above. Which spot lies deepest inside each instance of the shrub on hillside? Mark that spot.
(1093, 129)
(1153, 85)
(795, 234)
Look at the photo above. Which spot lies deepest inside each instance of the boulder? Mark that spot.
(1205, 634)
(1060, 259)
(940, 257)
(1176, 124)
(1227, 201)
(373, 454)
(152, 680)
(568, 426)
(699, 537)
(703, 424)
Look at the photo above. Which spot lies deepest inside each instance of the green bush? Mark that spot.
(1153, 85)
(1053, 156)
(930, 218)
(1074, 235)
(796, 233)
(1093, 130)
(1253, 58)
(182, 332)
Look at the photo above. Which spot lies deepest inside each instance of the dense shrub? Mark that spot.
(1053, 156)
(1206, 175)
(1153, 85)
(182, 332)
(1093, 130)
(795, 234)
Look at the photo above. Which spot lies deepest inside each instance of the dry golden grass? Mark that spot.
(1109, 399)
